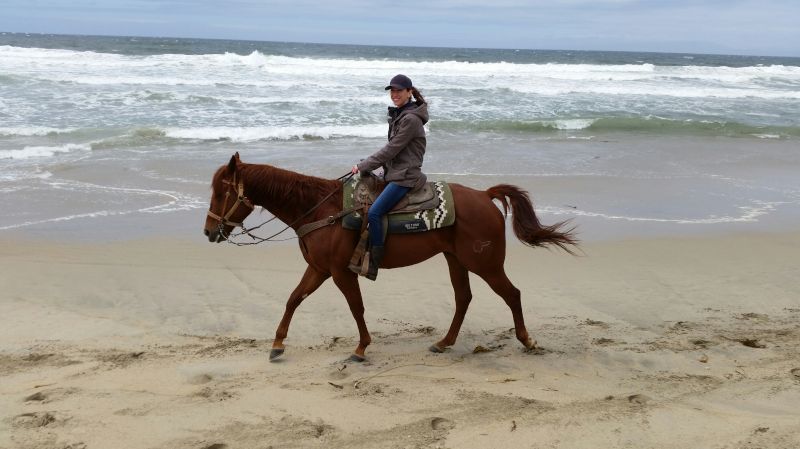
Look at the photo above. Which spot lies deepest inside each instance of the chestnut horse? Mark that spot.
(476, 242)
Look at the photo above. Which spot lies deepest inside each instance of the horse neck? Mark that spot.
(286, 194)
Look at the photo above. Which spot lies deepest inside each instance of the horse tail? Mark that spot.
(526, 226)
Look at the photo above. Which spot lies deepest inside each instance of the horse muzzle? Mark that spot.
(214, 236)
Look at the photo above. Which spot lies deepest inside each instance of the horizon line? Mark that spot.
(397, 46)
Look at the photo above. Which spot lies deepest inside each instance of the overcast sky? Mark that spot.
(761, 27)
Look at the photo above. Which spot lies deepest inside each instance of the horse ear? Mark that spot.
(233, 163)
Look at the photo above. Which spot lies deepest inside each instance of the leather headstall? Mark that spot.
(224, 218)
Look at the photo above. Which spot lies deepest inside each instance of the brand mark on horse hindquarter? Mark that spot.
(478, 246)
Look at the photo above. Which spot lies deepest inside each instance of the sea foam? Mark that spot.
(249, 134)
(42, 151)
(304, 73)
(33, 131)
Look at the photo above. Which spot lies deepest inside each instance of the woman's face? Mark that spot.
(400, 96)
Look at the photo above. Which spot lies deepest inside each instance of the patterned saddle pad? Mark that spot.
(430, 207)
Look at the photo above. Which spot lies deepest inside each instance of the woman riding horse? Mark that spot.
(401, 159)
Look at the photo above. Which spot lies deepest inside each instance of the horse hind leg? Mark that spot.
(459, 277)
(311, 280)
(501, 285)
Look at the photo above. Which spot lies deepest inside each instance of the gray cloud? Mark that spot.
(733, 26)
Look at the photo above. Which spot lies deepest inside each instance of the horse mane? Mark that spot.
(302, 191)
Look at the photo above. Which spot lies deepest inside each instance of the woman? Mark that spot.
(401, 159)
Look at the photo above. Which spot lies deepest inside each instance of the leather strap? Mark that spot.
(241, 199)
(314, 225)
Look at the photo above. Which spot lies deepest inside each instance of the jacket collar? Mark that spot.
(394, 112)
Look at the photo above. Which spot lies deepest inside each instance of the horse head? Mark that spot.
(229, 206)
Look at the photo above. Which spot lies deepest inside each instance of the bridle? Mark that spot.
(224, 218)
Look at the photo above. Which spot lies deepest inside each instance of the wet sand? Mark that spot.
(651, 342)
(615, 185)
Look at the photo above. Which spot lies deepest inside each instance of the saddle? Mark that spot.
(424, 198)
(426, 208)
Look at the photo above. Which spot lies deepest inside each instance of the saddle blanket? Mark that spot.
(442, 214)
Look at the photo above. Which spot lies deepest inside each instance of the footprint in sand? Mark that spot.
(33, 420)
(214, 395)
(80, 445)
(199, 379)
(796, 373)
(442, 424)
(752, 343)
(591, 322)
(120, 359)
(638, 399)
(130, 411)
(700, 343)
(216, 446)
(753, 316)
(36, 397)
(51, 395)
(605, 341)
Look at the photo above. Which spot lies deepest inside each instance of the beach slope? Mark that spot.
(657, 343)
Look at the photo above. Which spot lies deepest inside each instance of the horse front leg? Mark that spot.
(311, 280)
(347, 281)
(459, 277)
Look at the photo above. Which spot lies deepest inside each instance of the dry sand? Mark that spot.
(651, 343)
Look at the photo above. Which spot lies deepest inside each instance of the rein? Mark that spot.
(302, 231)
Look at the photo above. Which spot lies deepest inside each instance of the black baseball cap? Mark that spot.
(399, 82)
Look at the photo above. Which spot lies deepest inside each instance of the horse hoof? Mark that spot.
(275, 354)
(436, 349)
(357, 358)
(530, 345)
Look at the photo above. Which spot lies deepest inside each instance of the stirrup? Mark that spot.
(359, 254)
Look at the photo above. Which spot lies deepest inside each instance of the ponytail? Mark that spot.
(417, 95)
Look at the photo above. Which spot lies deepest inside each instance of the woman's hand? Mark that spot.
(354, 170)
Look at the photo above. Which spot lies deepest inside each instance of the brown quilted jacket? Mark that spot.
(402, 156)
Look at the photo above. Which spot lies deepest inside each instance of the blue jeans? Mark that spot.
(390, 196)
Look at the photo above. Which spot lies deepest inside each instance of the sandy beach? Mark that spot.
(681, 342)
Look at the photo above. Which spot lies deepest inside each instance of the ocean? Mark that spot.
(117, 137)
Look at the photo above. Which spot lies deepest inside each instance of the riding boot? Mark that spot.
(375, 257)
